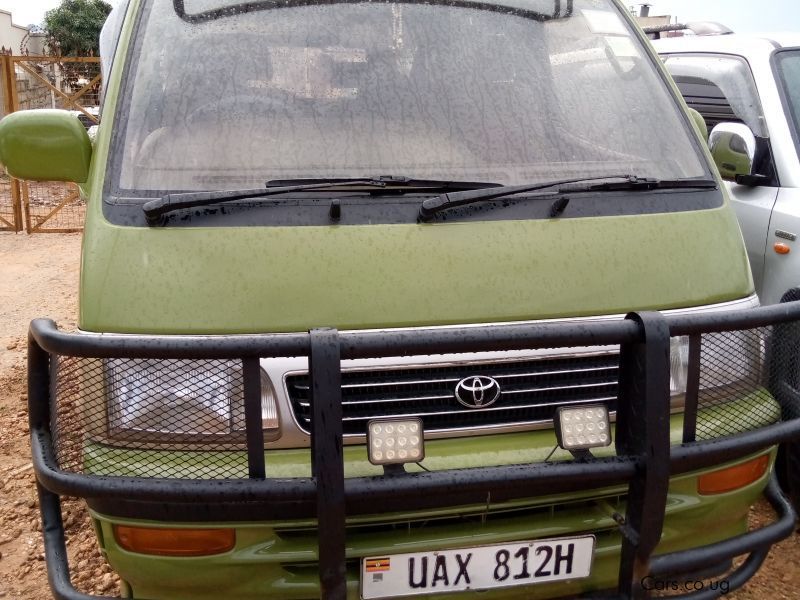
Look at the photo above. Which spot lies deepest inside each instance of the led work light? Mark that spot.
(395, 441)
(582, 427)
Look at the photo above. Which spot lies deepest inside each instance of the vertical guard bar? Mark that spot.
(253, 423)
(782, 359)
(41, 388)
(327, 460)
(692, 390)
(38, 386)
(643, 432)
(55, 549)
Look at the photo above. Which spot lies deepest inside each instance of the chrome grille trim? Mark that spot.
(562, 372)
(561, 387)
(490, 409)
(387, 400)
(351, 386)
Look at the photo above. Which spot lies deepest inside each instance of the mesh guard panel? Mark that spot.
(185, 418)
(150, 418)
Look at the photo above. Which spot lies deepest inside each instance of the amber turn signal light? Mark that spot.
(174, 542)
(733, 478)
(781, 248)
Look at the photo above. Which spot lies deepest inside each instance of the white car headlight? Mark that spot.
(184, 397)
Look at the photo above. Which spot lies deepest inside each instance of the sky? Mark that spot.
(742, 16)
(28, 12)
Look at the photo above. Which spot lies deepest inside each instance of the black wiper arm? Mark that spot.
(433, 206)
(155, 209)
(399, 182)
(641, 183)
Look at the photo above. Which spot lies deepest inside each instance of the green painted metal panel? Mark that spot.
(251, 279)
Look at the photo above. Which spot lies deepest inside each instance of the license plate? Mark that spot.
(480, 568)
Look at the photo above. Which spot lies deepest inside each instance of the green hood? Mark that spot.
(277, 279)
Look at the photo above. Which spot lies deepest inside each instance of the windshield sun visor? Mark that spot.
(196, 11)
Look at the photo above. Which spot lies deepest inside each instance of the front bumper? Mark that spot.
(278, 559)
(644, 461)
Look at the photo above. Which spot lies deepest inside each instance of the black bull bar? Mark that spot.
(644, 459)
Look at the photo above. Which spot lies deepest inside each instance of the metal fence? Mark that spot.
(37, 82)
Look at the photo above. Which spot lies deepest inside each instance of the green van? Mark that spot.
(384, 299)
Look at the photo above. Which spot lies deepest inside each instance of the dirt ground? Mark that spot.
(39, 277)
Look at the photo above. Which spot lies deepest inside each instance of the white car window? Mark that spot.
(719, 87)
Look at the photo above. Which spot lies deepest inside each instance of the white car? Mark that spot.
(747, 88)
(83, 117)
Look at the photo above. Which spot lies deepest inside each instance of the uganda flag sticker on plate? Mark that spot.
(376, 565)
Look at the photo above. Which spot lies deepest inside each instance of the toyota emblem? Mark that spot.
(477, 391)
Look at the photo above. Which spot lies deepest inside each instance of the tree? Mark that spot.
(73, 27)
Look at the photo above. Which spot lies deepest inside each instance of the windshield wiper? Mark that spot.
(398, 183)
(155, 209)
(432, 206)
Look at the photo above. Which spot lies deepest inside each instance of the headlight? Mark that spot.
(678, 364)
(726, 359)
(733, 357)
(183, 397)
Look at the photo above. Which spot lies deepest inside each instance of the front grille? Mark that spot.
(530, 392)
(588, 511)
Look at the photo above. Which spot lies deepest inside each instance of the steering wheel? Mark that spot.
(255, 105)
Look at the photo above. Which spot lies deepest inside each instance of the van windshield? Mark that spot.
(437, 90)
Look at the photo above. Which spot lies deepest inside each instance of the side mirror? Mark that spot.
(45, 145)
(733, 147)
